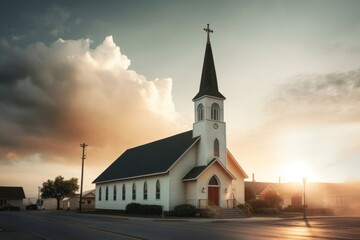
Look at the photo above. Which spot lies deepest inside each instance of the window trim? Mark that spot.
(107, 193)
(158, 190)
(145, 188)
(123, 192)
(215, 112)
(134, 191)
(200, 112)
(216, 148)
(114, 193)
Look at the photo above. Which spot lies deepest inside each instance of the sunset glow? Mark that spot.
(126, 76)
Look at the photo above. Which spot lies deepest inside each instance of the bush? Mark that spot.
(137, 208)
(267, 210)
(151, 209)
(257, 203)
(9, 208)
(184, 210)
(133, 208)
(294, 208)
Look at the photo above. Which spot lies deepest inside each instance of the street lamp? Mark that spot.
(304, 183)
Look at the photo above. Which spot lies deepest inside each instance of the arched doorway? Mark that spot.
(213, 191)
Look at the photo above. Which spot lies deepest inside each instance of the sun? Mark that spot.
(296, 171)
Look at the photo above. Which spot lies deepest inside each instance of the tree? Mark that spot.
(249, 194)
(59, 188)
(273, 199)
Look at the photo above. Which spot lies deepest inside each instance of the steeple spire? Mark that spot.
(208, 84)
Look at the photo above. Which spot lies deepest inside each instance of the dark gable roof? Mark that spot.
(208, 84)
(149, 159)
(195, 172)
(11, 193)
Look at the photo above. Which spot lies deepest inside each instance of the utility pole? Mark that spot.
(83, 145)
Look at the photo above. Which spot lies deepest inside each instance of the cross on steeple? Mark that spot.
(208, 30)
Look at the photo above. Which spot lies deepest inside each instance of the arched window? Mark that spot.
(200, 112)
(158, 189)
(215, 112)
(216, 148)
(107, 193)
(133, 191)
(213, 181)
(145, 191)
(123, 192)
(99, 193)
(114, 193)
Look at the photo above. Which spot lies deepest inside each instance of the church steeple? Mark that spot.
(209, 113)
(208, 84)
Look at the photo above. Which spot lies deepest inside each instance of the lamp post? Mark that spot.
(304, 183)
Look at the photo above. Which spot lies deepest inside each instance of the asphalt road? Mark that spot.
(43, 225)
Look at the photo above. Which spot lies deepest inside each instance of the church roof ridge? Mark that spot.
(153, 158)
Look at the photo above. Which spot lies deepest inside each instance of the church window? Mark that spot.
(145, 191)
(133, 191)
(158, 189)
(99, 193)
(215, 112)
(123, 192)
(200, 112)
(114, 193)
(107, 193)
(216, 148)
(213, 181)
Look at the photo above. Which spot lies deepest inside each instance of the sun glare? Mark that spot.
(294, 172)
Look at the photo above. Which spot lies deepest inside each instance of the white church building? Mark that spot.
(193, 167)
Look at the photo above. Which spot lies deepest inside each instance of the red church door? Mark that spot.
(213, 195)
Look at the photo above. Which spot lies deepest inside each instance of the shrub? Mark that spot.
(294, 208)
(151, 209)
(273, 199)
(267, 210)
(184, 210)
(137, 208)
(133, 208)
(257, 203)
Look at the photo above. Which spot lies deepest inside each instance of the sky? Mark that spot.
(118, 74)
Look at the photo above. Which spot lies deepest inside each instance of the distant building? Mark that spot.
(12, 196)
(88, 199)
(193, 167)
(339, 198)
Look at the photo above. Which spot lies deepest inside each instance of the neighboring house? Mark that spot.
(339, 198)
(12, 196)
(193, 167)
(88, 199)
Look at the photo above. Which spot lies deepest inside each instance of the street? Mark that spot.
(54, 225)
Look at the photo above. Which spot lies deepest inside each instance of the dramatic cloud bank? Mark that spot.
(54, 97)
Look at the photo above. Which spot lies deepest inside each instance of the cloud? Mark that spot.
(334, 96)
(313, 119)
(52, 98)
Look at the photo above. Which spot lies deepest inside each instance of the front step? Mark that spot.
(231, 213)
